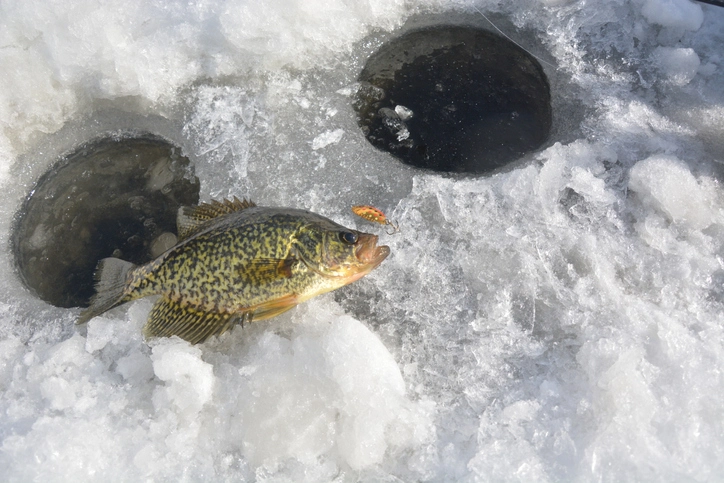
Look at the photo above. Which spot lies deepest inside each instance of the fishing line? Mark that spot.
(507, 37)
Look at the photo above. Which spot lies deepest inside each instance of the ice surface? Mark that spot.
(560, 321)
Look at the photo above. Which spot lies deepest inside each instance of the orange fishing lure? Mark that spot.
(370, 213)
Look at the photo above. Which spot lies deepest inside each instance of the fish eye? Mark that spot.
(348, 237)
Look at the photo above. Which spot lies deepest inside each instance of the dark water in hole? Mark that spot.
(454, 99)
(114, 196)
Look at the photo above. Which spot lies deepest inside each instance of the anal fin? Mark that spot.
(169, 318)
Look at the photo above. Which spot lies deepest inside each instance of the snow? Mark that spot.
(560, 320)
(682, 14)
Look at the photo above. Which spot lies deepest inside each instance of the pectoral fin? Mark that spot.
(275, 307)
(168, 318)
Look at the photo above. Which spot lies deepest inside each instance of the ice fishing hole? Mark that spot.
(113, 196)
(454, 99)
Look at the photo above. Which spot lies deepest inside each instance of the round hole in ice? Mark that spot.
(112, 196)
(454, 99)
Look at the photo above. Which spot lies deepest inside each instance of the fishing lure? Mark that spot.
(375, 215)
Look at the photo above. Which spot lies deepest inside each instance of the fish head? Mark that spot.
(340, 253)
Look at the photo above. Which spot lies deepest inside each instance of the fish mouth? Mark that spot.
(368, 252)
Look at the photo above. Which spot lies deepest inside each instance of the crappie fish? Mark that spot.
(236, 262)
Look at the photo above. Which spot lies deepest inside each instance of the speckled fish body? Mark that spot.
(237, 262)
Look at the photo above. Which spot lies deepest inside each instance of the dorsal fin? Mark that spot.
(190, 219)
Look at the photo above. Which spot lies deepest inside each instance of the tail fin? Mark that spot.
(110, 276)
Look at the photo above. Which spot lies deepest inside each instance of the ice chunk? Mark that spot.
(679, 65)
(162, 243)
(327, 138)
(332, 388)
(100, 333)
(135, 367)
(592, 188)
(189, 381)
(665, 184)
(372, 389)
(404, 112)
(681, 14)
